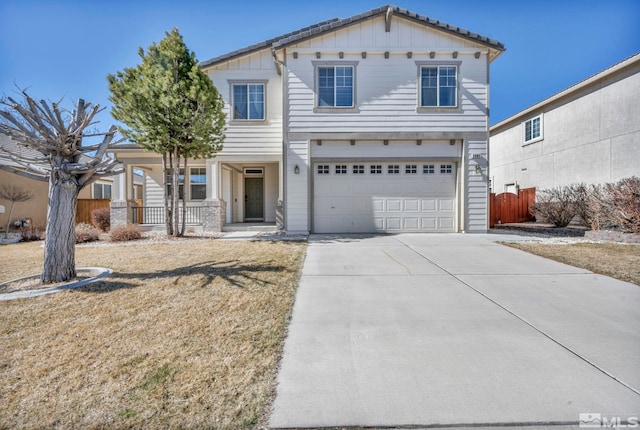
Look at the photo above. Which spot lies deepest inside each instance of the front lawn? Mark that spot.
(620, 261)
(185, 334)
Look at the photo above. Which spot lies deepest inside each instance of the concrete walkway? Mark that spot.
(449, 329)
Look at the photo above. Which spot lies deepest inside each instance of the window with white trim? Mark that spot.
(323, 169)
(533, 129)
(376, 169)
(438, 86)
(358, 169)
(446, 168)
(410, 169)
(428, 169)
(335, 86)
(198, 183)
(393, 169)
(341, 169)
(248, 101)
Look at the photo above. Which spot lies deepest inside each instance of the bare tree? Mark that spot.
(51, 147)
(14, 194)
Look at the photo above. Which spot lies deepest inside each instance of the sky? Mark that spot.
(64, 49)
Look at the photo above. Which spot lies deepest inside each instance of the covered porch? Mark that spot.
(219, 192)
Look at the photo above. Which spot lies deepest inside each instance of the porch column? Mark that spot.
(280, 203)
(120, 213)
(213, 207)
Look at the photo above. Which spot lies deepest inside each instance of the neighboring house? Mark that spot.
(34, 209)
(587, 133)
(374, 123)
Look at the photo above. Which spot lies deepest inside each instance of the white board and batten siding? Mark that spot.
(386, 99)
(386, 94)
(251, 137)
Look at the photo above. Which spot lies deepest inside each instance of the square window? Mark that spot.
(375, 169)
(428, 169)
(358, 169)
(248, 102)
(438, 86)
(335, 86)
(533, 129)
(323, 169)
(341, 169)
(446, 168)
(410, 169)
(393, 169)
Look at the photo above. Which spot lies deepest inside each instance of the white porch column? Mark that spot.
(213, 180)
(120, 213)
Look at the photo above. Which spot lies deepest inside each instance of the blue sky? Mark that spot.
(66, 48)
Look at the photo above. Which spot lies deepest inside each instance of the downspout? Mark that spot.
(280, 67)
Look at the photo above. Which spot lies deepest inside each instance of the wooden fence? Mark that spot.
(86, 206)
(508, 208)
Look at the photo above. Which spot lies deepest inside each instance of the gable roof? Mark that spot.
(338, 23)
(591, 80)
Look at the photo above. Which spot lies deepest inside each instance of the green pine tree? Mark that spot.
(172, 108)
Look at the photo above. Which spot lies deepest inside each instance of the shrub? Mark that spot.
(86, 233)
(125, 232)
(101, 218)
(31, 233)
(555, 205)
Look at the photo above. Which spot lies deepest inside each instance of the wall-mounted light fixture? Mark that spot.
(296, 169)
(478, 169)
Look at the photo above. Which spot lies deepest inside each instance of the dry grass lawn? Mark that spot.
(619, 261)
(185, 334)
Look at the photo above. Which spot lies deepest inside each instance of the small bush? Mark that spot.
(86, 233)
(101, 218)
(555, 205)
(125, 232)
(616, 206)
(31, 233)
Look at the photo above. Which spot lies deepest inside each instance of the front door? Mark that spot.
(253, 199)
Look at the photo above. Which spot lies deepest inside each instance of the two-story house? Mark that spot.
(373, 123)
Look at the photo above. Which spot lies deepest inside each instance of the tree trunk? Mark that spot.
(167, 205)
(176, 191)
(6, 233)
(60, 239)
(184, 203)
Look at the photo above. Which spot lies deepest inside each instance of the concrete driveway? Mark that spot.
(451, 329)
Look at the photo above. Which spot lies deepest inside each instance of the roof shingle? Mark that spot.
(336, 23)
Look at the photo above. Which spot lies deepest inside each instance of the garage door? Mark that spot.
(384, 197)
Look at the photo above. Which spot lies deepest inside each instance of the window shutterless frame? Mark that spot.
(532, 130)
(438, 86)
(248, 101)
(335, 86)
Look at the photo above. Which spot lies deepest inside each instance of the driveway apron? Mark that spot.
(452, 329)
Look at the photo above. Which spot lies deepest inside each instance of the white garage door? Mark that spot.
(384, 197)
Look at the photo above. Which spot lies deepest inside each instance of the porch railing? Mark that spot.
(155, 215)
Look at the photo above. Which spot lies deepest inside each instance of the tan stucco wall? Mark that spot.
(36, 208)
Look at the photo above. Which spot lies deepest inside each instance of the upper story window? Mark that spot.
(533, 129)
(335, 86)
(438, 86)
(248, 101)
